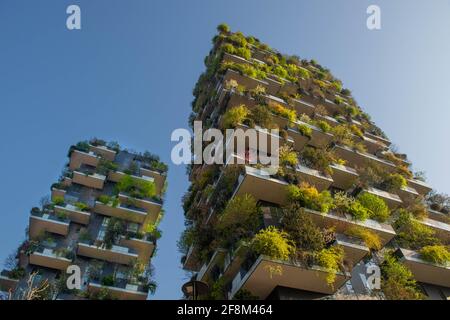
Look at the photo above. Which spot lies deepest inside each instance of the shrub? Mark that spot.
(223, 28)
(411, 233)
(356, 131)
(323, 125)
(81, 206)
(436, 254)
(105, 166)
(136, 188)
(302, 230)
(288, 156)
(235, 116)
(104, 199)
(240, 216)
(331, 259)
(394, 182)
(284, 112)
(319, 159)
(376, 206)
(244, 53)
(262, 117)
(238, 39)
(346, 204)
(371, 239)
(273, 243)
(305, 130)
(397, 281)
(280, 71)
(58, 201)
(108, 280)
(308, 196)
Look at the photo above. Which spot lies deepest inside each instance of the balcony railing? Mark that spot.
(104, 151)
(125, 292)
(314, 177)
(49, 258)
(47, 222)
(343, 176)
(73, 213)
(260, 282)
(392, 200)
(79, 158)
(357, 159)
(89, 179)
(129, 213)
(115, 254)
(425, 271)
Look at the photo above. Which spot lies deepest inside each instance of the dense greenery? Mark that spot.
(308, 197)
(273, 243)
(436, 254)
(136, 188)
(376, 207)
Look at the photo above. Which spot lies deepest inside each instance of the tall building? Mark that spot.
(102, 217)
(343, 207)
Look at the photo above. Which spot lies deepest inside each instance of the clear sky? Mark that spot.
(128, 76)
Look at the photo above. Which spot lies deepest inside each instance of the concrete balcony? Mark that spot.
(407, 194)
(158, 177)
(143, 247)
(259, 184)
(373, 146)
(117, 254)
(314, 177)
(392, 200)
(341, 223)
(438, 216)
(49, 258)
(302, 106)
(354, 249)
(127, 292)
(74, 214)
(90, 180)
(104, 152)
(152, 208)
(247, 82)
(261, 283)
(7, 282)
(319, 139)
(57, 193)
(386, 142)
(421, 187)
(41, 222)
(79, 158)
(441, 229)
(343, 177)
(134, 214)
(357, 159)
(299, 140)
(191, 261)
(330, 120)
(208, 267)
(425, 271)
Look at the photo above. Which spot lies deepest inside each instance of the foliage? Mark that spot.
(309, 197)
(439, 201)
(411, 233)
(436, 254)
(394, 182)
(105, 166)
(319, 159)
(108, 280)
(81, 206)
(273, 243)
(397, 281)
(223, 28)
(58, 201)
(346, 204)
(301, 229)
(115, 228)
(244, 294)
(241, 217)
(370, 238)
(305, 130)
(377, 208)
(261, 116)
(282, 111)
(323, 125)
(288, 156)
(234, 116)
(136, 188)
(331, 259)
(104, 199)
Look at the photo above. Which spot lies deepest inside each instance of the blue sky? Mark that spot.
(129, 73)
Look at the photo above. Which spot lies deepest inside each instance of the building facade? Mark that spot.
(100, 224)
(343, 217)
